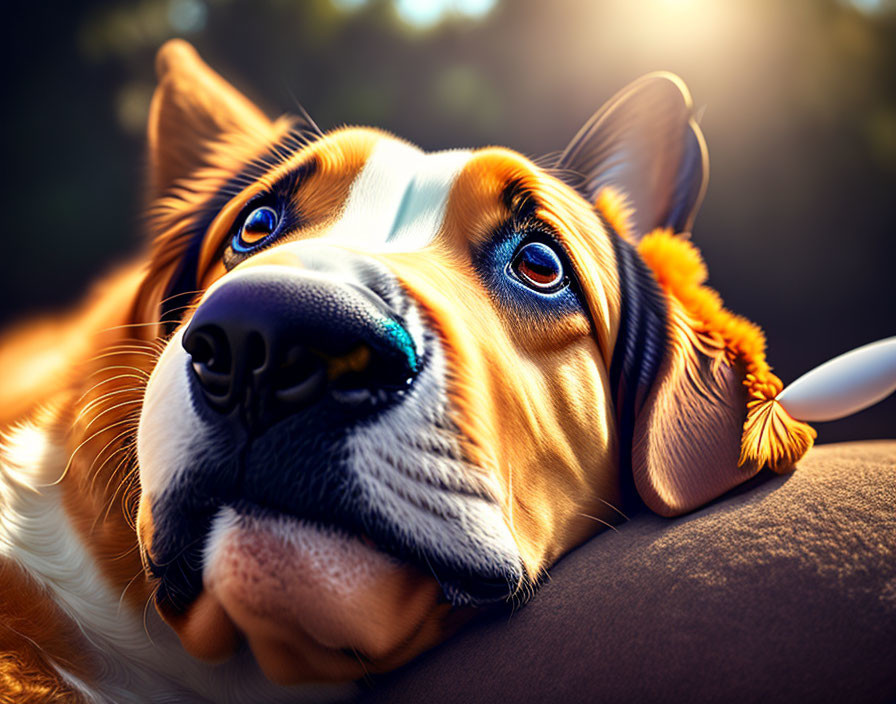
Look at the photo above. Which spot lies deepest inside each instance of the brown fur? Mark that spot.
(693, 417)
(34, 634)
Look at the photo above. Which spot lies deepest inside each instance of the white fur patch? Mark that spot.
(169, 427)
(398, 200)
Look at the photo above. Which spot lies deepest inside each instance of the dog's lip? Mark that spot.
(181, 584)
(312, 603)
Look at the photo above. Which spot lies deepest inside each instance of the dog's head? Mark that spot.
(396, 384)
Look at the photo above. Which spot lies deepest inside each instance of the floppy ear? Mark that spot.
(712, 418)
(695, 398)
(686, 443)
(681, 402)
(192, 109)
(645, 143)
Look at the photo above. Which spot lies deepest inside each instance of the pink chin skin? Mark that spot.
(314, 605)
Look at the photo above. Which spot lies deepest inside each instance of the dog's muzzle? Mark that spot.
(308, 394)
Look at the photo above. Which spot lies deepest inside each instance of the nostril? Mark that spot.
(300, 378)
(208, 346)
(210, 355)
(216, 384)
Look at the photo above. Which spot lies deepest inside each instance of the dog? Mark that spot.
(355, 392)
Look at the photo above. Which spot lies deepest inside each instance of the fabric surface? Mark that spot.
(785, 589)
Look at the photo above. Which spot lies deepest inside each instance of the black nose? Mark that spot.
(271, 343)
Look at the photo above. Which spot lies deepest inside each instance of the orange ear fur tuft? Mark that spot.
(770, 437)
(616, 210)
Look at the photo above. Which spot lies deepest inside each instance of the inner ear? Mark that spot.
(193, 108)
(646, 144)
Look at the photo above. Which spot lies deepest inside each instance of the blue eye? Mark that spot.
(260, 224)
(539, 267)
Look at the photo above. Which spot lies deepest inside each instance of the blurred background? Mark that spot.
(798, 103)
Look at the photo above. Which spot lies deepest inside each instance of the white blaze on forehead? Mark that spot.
(399, 197)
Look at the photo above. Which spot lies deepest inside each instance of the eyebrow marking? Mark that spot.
(399, 198)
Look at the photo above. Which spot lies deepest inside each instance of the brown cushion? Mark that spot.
(783, 590)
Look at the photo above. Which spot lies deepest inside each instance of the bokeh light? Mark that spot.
(426, 13)
(187, 16)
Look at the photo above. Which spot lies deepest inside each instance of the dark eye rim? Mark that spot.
(557, 250)
(236, 243)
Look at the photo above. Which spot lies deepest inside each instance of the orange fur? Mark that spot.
(92, 390)
(39, 358)
(560, 471)
(614, 206)
(192, 107)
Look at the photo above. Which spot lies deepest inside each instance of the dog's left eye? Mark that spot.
(258, 225)
(539, 267)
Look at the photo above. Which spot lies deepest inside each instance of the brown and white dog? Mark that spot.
(352, 391)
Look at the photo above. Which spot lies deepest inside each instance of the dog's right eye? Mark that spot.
(539, 267)
(257, 227)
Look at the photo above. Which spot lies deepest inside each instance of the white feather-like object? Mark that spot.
(843, 385)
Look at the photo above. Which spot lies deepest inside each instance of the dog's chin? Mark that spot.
(312, 604)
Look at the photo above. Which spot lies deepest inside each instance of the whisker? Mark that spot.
(130, 499)
(71, 458)
(180, 553)
(127, 552)
(95, 475)
(99, 415)
(145, 608)
(124, 433)
(95, 402)
(140, 352)
(178, 310)
(125, 481)
(130, 367)
(106, 381)
(128, 586)
(132, 342)
(599, 520)
(125, 326)
(181, 293)
(363, 665)
(124, 460)
(608, 504)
